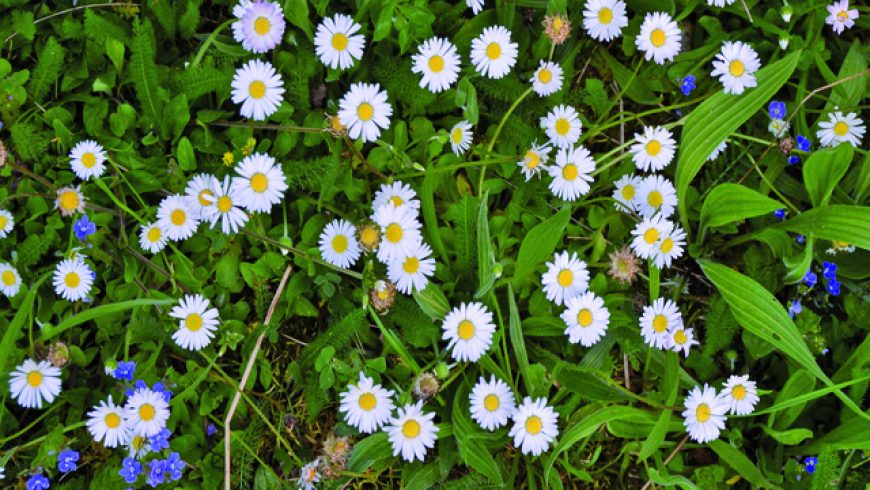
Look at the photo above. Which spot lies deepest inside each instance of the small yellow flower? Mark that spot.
(229, 158)
(369, 236)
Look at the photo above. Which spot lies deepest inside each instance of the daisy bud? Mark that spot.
(786, 13)
(557, 28)
(383, 295)
(783, 43)
(369, 236)
(426, 386)
(623, 265)
(58, 354)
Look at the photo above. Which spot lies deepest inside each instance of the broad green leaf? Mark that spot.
(185, 155)
(485, 256)
(590, 384)
(472, 451)
(373, 449)
(799, 264)
(854, 433)
(728, 203)
(670, 387)
(143, 71)
(835, 222)
(800, 382)
(849, 93)
(635, 88)
(516, 336)
(824, 169)
(807, 397)
(297, 13)
(430, 218)
(538, 245)
(671, 480)
(50, 331)
(24, 310)
(716, 118)
(790, 437)
(863, 182)
(432, 301)
(740, 463)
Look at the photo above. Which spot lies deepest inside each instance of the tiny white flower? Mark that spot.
(721, 3)
(258, 88)
(492, 403)
(260, 27)
(659, 37)
(411, 432)
(175, 217)
(647, 235)
(259, 183)
(658, 320)
(535, 426)
(654, 149)
(839, 128)
(778, 127)
(10, 280)
(492, 53)
(106, 424)
(87, 159)
(586, 318)
(460, 137)
(572, 173)
(146, 412)
(338, 244)
(152, 237)
(438, 62)
(547, 79)
(366, 406)
(308, 476)
(73, 279)
(364, 110)
(656, 195)
(566, 277)
(735, 66)
(337, 43)
(740, 394)
(197, 322)
(841, 16)
(401, 232)
(704, 416)
(681, 339)
(398, 194)
(469, 329)
(604, 19)
(625, 192)
(535, 160)
(33, 383)
(411, 272)
(562, 126)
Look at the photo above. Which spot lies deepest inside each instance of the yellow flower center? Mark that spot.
(841, 128)
(562, 126)
(651, 236)
(411, 429)
(262, 26)
(839, 244)
(178, 217)
(532, 159)
(397, 201)
(72, 280)
(224, 204)
(466, 329)
(558, 23)
(193, 322)
(667, 245)
(8, 278)
(584, 318)
(257, 89)
(394, 233)
(112, 420)
(736, 68)
(534, 425)
(154, 234)
(702, 413)
(89, 160)
(69, 200)
(411, 265)
(147, 412)
(660, 323)
(369, 236)
(565, 278)
(259, 182)
(203, 195)
(738, 392)
(367, 402)
(456, 135)
(383, 294)
(570, 172)
(842, 16)
(658, 38)
(339, 41)
(653, 148)
(365, 111)
(605, 15)
(628, 192)
(436, 64)
(545, 75)
(491, 402)
(680, 337)
(34, 378)
(339, 243)
(654, 199)
(493, 51)
(3, 221)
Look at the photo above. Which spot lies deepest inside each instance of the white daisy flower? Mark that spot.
(152, 237)
(565, 278)
(338, 244)
(604, 19)
(562, 126)
(778, 127)
(659, 37)
(720, 3)
(718, 151)
(572, 173)
(366, 406)
(438, 62)
(704, 416)
(535, 426)
(308, 476)
(625, 192)
(411, 432)
(138, 446)
(106, 424)
(398, 194)
(31, 383)
(492, 403)
(735, 66)
(840, 16)
(260, 27)
(656, 195)
(337, 43)
(475, 5)
(740, 395)
(547, 78)
(259, 88)
(654, 149)
(681, 339)
(364, 110)
(492, 53)
(535, 160)
(7, 222)
(469, 329)
(196, 322)
(146, 412)
(670, 247)
(10, 280)
(87, 159)
(587, 319)
(260, 183)
(647, 235)
(839, 128)
(225, 206)
(73, 279)
(412, 272)
(401, 232)
(657, 321)
(200, 192)
(460, 137)
(175, 217)
(69, 201)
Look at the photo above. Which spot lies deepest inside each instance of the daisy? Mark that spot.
(475, 5)
(260, 183)
(70, 200)
(398, 194)
(565, 278)
(176, 219)
(366, 406)
(87, 159)
(670, 247)
(469, 329)
(735, 66)
(338, 244)
(225, 207)
(260, 27)
(604, 19)
(401, 232)
(704, 416)
(196, 322)
(258, 87)
(535, 160)
(146, 412)
(492, 53)
(365, 111)
(200, 192)
(412, 271)
(438, 62)
(492, 403)
(562, 126)
(460, 137)
(841, 17)
(572, 173)
(535, 426)
(659, 37)
(152, 237)
(32, 383)
(10, 280)
(7, 222)
(654, 149)
(718, 151)
(308, 476)
(547, 78)
(369, 236)
(740, 395)
(411, 432)
(721, 3)
(648, 234)
(778, 127)
(656, 195)
(839, 128)
(106, 424)
(73, 279)
(656, 321)
(681, 339)
(587, 319)
(625, 192)
(337, 43)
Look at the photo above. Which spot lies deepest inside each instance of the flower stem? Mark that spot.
(498, 131)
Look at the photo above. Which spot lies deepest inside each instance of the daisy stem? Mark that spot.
(772, 187)
(127, 182)
(210, 39)
(504, 119)
(114, 198)
(394, 342)
(300, 253)
(654, 282)
(450, 168)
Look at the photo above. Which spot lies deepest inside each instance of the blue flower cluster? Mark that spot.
(803, 144)
(37, 482)
(125, 371)
(83, 228)
(829, 271)
(810, 464)
(66, 460)
(158, 470)
(687, 84)
(780, 214)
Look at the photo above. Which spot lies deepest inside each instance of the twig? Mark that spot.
(748, 13)
(244, 381)
(362, 159)
(669, 458)
(74, 9)
(626, 369)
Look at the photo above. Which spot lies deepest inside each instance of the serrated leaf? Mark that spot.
(143, 71)
(823, 171)
(538, 245)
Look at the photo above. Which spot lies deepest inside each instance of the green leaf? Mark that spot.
(671, 384)
(854, 433)
(485, 255)
(186, 157)
(671, 480)
(740, 463)
(395, 342)
(472, 451)
(465, 242)
(790, 437)
(430, 218)
(788, 401)
(47, 70)
(590, 384)
(24, 310)
(432, 301)
(296, 12)
(373, 449)
(538, 245)
(516, 336)
(799, 264)
(849, 93)
(729, 203)
(143, 71)
(717, 117)
(50, 331)
(824, 169)
(834, 222)
(22, 23)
